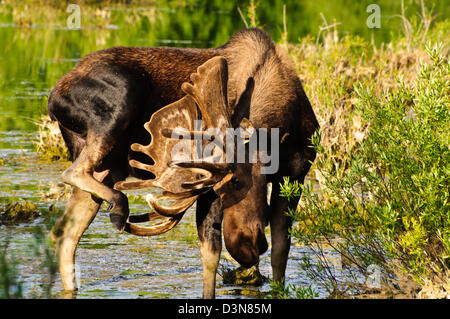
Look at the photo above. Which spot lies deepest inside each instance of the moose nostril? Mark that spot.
(247, 256)
(242, 249)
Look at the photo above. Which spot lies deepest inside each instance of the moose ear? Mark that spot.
(244, 98)
(246, 124)
(246, 129)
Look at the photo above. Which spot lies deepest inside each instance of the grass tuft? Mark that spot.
(50, 144)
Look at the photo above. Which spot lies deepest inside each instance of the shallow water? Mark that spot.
(109, 264)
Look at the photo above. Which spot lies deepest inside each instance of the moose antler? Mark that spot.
(182, 175)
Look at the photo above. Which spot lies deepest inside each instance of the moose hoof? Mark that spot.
(69, 294)
(119, 212)
(119, 221)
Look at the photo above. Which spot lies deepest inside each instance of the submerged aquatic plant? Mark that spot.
(20, 211)
(242, 276)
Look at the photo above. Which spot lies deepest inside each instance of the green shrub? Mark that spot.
(278, 290)
(385, 201)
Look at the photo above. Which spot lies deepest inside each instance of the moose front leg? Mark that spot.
(66, 233)
(81, 174)
(280, 224)
(209, 224)
(297, 166)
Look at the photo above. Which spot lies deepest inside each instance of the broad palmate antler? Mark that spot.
(179, 171)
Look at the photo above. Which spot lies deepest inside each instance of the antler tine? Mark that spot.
(169, 133)
(130, 185)
(175, 212)
(155, 229)
(144, 217)
(179, 207)
(209, 167)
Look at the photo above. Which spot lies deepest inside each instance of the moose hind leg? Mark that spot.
(209, 224)
(81, 174)
(66, 233)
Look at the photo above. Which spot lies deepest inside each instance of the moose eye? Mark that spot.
(235, 182)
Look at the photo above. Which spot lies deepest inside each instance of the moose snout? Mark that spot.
(246, 245)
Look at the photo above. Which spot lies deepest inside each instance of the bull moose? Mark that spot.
(118, 109)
